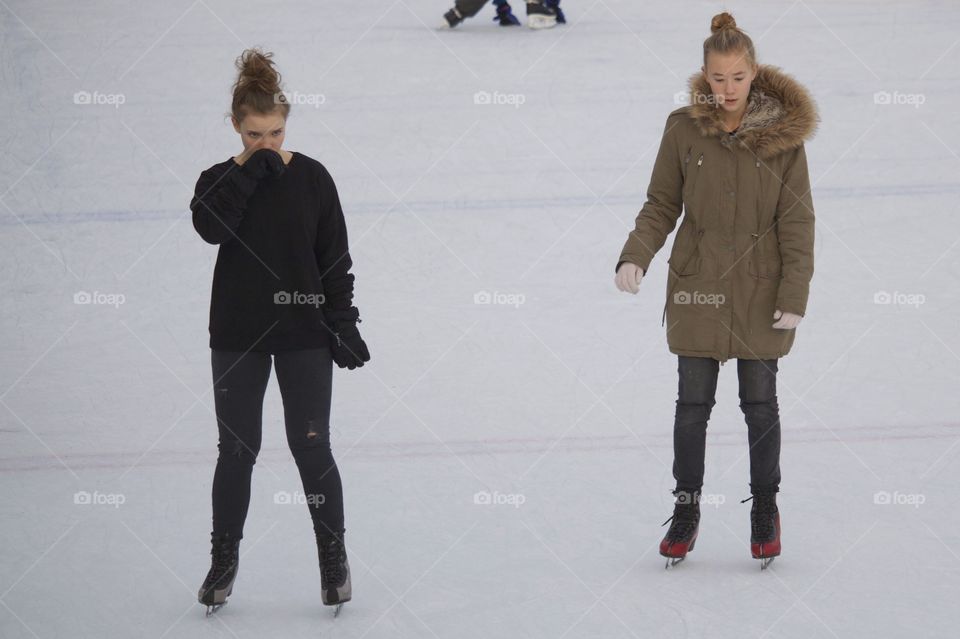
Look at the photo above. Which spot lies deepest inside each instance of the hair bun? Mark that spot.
(257, 70)
(722, 21)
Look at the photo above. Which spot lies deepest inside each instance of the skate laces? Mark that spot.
(332, 556)
(224, 558)
(685, 518)
(762, 516)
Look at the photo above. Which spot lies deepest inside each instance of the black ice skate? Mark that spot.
(682, 534)
(334, 570)
(225, 561)
(764, 526)
(451, 19)
(540, 16)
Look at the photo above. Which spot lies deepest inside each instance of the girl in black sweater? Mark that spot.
(281, 287)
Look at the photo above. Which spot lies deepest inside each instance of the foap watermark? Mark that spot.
(96, 498)
(298, 298)
(885, 498)
(696, 297)
(915, 100)
(284, 498)
(99, 99)
(499, 298)
(99, 298)
(899, 298)
(316, 100)
(497, 98)
(486, 498)
(712, 499)
(682, 98)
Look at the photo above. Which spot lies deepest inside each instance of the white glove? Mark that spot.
(628, 278)
(787, 320)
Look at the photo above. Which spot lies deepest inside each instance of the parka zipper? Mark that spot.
(756, 248)
(693, 184)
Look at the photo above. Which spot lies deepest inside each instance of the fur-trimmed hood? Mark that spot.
(780, 113)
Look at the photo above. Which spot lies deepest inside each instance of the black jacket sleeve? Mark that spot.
(332, 250)
(219, 202)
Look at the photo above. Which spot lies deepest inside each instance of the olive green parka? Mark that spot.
(745, 243)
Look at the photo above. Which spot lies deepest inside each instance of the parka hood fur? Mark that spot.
(780, 113)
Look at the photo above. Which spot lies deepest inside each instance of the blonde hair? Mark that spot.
(726, 37)
(257, 89)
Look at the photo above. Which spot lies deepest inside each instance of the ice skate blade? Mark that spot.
(212, 608)
(541, 22)
(673, 561)
(766, 561)
(336, 610)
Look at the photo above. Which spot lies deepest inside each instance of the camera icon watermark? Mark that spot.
(498, 298)
(885, 498)
(898, 298)
(682, 98)
(885, 98)
(496, 98)
(316, 100)
(285, 498)
(99, 298)
(696, 297)
(96, 98)
(295, 297)
(486, 498)
(96, 498)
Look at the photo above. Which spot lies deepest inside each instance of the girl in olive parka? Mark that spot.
(740, 268)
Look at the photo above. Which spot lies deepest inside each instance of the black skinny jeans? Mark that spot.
(758, 401)
(240, 381)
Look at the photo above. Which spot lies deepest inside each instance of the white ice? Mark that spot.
(564, 402)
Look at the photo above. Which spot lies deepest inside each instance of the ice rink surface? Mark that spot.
(555, 400)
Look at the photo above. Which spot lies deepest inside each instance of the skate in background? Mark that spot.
(541, 14)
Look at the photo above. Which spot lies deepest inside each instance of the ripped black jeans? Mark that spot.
(695, 401)
(240, 381)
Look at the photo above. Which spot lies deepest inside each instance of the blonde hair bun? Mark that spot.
(722, 21)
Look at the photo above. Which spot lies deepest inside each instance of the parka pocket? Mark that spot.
(762, 263)
(687, 262)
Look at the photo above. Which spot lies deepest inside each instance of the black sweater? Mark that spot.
(283, 257)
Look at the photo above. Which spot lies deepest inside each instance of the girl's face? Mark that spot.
(260, 130)
(729, 76)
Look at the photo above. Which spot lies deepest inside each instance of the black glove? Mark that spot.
(348, 348)
(264, 162)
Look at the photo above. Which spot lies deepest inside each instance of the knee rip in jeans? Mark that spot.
(315, 437)
(235, 448)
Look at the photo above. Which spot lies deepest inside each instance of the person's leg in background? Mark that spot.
(541, 14)
(505, 14)
(463, 9)
(306, 378)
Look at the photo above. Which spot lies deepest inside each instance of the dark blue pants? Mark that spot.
(695, 401)
(305, 378)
